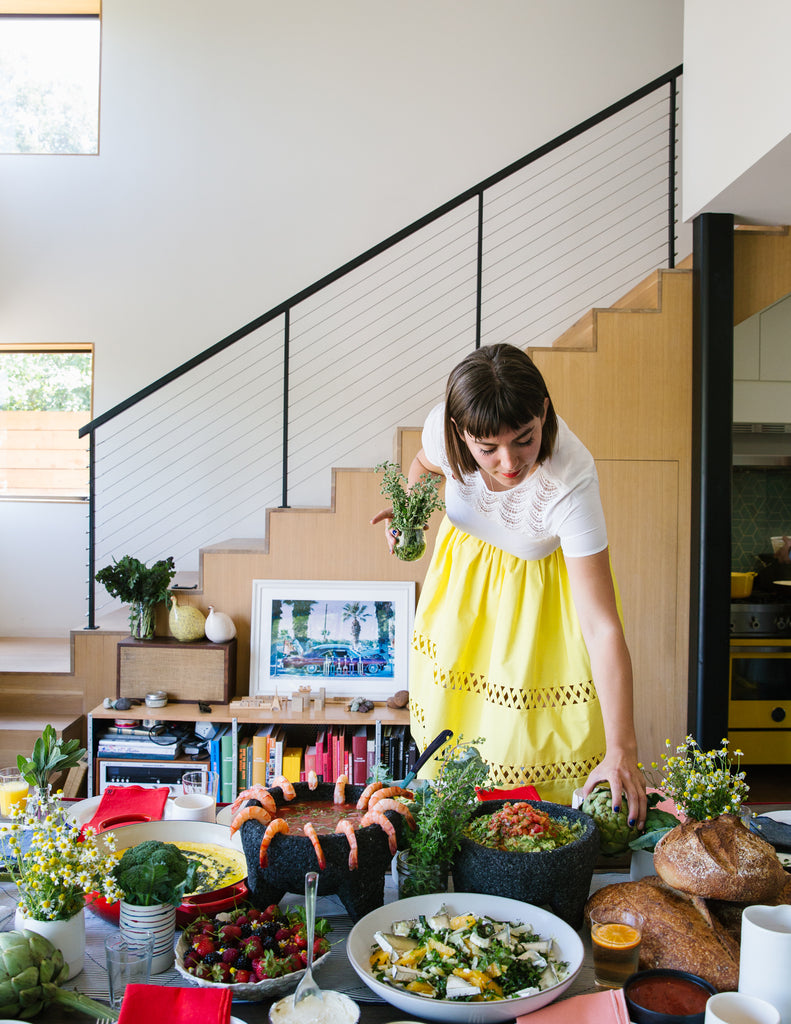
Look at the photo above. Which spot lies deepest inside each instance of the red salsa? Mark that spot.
(666, 994)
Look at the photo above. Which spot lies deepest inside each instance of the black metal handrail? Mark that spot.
(285, 308)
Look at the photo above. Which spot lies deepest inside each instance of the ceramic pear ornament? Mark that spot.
(186, 623)
(219, 627)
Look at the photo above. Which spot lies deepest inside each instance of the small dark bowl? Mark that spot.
(559, 879)
(641, 1015)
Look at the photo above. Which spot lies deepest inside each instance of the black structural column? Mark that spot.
(712, 417)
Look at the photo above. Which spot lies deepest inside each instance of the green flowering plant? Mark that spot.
(704, 784)
(52, 864)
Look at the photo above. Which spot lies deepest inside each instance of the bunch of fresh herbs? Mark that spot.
(442, 811)
(412, 506)
(49, 757)
(140, 586)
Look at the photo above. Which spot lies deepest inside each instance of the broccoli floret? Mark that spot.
(154, 872)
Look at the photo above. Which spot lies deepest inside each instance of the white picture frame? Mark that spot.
(349, 637)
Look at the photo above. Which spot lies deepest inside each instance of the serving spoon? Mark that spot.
(307, 986)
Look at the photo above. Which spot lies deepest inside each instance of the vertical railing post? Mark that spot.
(286, 339)
(671, 178)
(479, 274)
(91, 530)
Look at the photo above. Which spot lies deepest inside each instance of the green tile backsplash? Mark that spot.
(761, 509)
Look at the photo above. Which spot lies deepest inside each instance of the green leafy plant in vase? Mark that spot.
(442, 810)
(51, 755)
(412, 508)
(140, 586)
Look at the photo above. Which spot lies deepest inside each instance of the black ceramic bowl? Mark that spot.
(666, 994)
(290, 856)
(559, 879)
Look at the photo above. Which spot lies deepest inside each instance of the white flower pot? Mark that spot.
(160, 920)
(67, 936)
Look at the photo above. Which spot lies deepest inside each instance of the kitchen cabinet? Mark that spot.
(762, 366)
(331, 714)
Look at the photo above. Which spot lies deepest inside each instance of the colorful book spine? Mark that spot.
(228, 768)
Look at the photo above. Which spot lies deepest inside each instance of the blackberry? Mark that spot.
(212, 958)
(270, 942)
(247, 930)
(244, 963)
(268, 928)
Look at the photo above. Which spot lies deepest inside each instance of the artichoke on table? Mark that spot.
(31, 970)
(615, 831)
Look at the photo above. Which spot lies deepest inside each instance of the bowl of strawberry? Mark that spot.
(257, 954)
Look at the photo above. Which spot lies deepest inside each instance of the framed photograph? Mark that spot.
(350, 637)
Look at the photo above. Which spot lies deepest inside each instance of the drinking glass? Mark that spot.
(615, 935)
(13, 790)
(128, 962)
(199, 796)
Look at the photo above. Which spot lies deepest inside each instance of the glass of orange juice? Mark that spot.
(13, 789)
(615, 935)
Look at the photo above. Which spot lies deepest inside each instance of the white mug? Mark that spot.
(194, 807)
(737, 1008)
(765, 958)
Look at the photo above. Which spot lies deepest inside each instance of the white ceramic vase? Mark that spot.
(67, 936)
(219, 627)
(160, 920)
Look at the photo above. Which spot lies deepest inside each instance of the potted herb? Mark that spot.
(442, 810)
(153, 878)
(140, 586)
(412, 507)
(50, 757)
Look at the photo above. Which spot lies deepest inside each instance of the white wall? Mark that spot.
(248, 147)
(737, 119)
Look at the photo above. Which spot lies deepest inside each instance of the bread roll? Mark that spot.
(719, 859)
(676, 934)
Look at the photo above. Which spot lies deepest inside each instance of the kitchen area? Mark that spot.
(759, 707)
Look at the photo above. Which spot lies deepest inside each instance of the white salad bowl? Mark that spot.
(361, 943)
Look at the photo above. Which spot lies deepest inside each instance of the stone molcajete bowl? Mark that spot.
(559, 879)
(291, 856)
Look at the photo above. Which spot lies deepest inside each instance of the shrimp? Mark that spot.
(272, 829)
(339, 796)
(310, 832)
(388, 793)
(313, 779)
(346, 827)
(396, 805)
(365, 796)
(286, 788)
(256, 792)
(379, 818)
(250, 813)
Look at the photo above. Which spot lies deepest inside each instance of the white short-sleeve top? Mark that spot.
(558, 505)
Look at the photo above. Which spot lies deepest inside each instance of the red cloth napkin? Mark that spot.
(518, 793)
(123, 805)
(605, 1007)
(160, 1004)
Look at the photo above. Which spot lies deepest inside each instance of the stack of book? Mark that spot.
(137, 743)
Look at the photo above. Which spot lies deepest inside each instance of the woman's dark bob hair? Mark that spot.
(496, 388)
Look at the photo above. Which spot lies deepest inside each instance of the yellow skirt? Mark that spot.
(498, 654)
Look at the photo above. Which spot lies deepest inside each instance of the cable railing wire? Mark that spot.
(324, 378)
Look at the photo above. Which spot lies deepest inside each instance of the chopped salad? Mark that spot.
(467, 958)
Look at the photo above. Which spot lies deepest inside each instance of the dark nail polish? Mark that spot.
(617, 808)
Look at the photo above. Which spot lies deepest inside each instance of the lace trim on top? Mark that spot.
(522, 508)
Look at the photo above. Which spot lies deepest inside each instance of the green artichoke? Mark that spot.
(31, 969)
(614, 829)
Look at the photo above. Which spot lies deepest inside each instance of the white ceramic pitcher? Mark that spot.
(765, 961)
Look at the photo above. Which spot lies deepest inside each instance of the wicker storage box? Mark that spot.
(193, 671)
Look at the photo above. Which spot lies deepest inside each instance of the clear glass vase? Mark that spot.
(420, 879)
(410, 543)
(141, 621)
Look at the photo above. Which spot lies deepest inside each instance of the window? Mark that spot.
(49, 76)
(45, 397)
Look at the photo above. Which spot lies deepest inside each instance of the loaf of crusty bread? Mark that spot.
(719, 859)
(677, 933)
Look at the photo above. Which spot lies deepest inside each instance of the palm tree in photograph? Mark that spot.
(357, 613)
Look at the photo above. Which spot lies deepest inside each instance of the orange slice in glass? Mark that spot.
(622, 936)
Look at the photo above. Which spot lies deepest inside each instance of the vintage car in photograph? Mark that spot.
(336, 659)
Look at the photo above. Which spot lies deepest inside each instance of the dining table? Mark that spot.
(335, 972)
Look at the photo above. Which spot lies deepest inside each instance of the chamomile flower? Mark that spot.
(704, 784)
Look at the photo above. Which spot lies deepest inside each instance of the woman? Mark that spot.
(518, 637)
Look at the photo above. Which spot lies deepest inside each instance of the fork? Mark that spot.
(307, 986)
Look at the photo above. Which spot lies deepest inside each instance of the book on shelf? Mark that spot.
(292, 761)
(359, 744)
(227, 767)
(157, 751)
(261, 752)
(215, 760)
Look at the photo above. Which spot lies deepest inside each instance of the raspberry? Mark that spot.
(230, 955)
